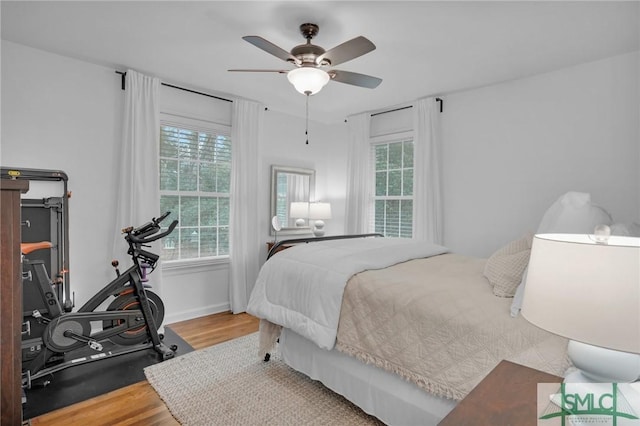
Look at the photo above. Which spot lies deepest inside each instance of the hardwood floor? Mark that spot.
(138, 404)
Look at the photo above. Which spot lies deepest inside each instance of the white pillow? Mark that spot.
(572, 213)
(626, 229)
(505, 267)
(620, 229)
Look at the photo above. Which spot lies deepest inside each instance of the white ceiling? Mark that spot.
(423, 47)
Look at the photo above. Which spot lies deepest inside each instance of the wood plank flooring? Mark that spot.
(138, 404)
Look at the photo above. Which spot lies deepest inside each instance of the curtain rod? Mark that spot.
(123, 74)
(391, 110)
(407, 107)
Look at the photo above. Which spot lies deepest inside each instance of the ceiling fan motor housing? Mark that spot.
(308, 52)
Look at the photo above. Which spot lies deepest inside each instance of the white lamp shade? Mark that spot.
(308, 80)
(586, 291)
(319, 211)
(299, 210)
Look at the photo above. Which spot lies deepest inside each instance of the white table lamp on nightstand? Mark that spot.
(587, 289)
(299, 211)
(319, 212)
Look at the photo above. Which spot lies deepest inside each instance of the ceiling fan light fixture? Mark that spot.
(308, 80)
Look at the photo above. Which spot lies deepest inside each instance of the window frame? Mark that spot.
(387, 139)
(201, 125)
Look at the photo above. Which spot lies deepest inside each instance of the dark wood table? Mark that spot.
(506, 397)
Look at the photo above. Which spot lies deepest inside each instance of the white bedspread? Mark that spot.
(301, 288)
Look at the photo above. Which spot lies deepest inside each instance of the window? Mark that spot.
(195, 180)
(393, 199)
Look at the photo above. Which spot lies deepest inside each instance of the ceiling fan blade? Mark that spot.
(347, 51)
(243, 70)
(355, 79)
(269, 47)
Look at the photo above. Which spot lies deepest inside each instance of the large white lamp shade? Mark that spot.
(588, 290)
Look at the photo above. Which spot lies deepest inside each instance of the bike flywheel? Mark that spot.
(126, 302)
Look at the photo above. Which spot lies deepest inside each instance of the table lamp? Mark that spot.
(587, 288)
(319, 212)
(300, 211)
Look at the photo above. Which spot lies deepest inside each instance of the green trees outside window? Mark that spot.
(393, 199)
(195, 180)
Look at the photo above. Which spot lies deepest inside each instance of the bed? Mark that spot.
(405, 329)
(402, 328)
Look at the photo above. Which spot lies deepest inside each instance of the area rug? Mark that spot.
(227, 384)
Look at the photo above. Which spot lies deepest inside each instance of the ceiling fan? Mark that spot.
(309, 77)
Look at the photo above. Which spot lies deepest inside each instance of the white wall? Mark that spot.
(61, 113)
(509, 151)
(186, 292)
(193, 289)
(512, 149)
(284, 145)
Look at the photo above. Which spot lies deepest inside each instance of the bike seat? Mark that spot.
(27, 248)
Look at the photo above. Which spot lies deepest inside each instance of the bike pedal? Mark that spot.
(95, 345)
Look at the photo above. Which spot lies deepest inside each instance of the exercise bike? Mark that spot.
(129, 323)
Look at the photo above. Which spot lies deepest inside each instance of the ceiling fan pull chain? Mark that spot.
(306, 128)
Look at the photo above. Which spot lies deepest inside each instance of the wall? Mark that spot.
(61, 113)
(512, 149)
(194, 288)
(58, 113)
(509, 151)
(284, 145)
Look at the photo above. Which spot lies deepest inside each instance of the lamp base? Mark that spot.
(576, 376)
(601, 365)
(318, 228)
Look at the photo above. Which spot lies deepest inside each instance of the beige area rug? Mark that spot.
(227, 384)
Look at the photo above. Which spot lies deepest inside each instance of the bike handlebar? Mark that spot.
(143, 234)
(137, 240)
(147, 226)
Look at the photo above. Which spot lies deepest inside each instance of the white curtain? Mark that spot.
(427, 203)
(138, 170)
(358, 175)
(246, 127)
(297, 188)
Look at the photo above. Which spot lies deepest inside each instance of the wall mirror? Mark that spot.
(291, 185)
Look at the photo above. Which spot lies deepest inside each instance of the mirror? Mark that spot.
(291, 185)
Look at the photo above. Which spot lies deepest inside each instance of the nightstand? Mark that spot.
(507, 396)
(282, 247)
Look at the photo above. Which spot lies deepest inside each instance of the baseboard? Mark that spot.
(195, 313)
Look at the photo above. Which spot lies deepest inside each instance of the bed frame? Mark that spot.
(276, 246)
